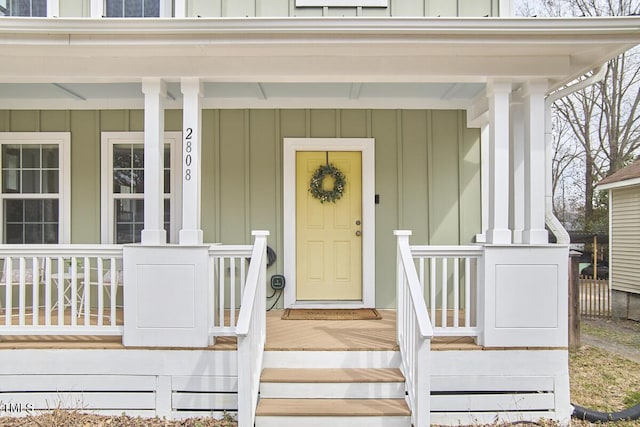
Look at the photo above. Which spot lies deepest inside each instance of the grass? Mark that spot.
(625, 333)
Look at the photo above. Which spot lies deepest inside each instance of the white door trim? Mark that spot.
(367, 147)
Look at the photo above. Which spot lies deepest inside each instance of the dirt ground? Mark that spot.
(621, 337)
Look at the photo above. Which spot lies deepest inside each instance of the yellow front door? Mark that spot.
(328, 242)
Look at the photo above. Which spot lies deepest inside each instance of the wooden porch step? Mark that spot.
(332, 408)
(331, 375)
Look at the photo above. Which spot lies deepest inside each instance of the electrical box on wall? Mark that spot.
(277, 282)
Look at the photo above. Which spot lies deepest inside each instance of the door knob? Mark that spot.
(358, 233)
(358, 222)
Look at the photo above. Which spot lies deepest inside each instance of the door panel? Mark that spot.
(328, 242)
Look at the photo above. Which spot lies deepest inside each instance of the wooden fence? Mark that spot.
(595, 297)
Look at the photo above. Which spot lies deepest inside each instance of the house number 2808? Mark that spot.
(187, 157)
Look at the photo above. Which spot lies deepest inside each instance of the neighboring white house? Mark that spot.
(141, 142)
(624, 225)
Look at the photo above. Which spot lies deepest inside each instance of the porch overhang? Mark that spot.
(328, 51)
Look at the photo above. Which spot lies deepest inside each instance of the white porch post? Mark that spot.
(191, 232)
(534, 212)
(516, 213)
(154, 93)
(499, 92)
(53, 8)
(180, 8)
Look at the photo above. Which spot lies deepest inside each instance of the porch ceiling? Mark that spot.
(310, 62)
(242, 95)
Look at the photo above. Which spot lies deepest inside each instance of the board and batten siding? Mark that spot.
(287, 8)
(427, 171)
(625, 239)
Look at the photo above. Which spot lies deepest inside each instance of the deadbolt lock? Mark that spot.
(358, 233)
(358, 222)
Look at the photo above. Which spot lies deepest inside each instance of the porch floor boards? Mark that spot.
(282, 335)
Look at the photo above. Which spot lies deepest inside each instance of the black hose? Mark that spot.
(590, 415)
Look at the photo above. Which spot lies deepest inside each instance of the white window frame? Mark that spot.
(63, 140)
(107, 211)
(342, 3)
(99, 9)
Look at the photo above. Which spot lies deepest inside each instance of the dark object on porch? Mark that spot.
(331, 314)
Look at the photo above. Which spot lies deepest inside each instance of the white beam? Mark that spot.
(180, 7)
(53, 8)
(191, 232)
(97, 10)
(499, 92)
(534, 165)
(155, 91)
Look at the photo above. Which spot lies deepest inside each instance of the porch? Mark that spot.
(454, 351)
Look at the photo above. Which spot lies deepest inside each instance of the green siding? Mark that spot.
(427, 171)
(400, 8)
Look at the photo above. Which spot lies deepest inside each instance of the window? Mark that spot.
(23, 7)
(132, 8)
(35, 180)
(123, 186)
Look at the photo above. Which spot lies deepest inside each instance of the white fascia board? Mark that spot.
(619, 184)
(628, 28)
(342, 3)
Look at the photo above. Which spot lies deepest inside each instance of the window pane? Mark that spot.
(50, 181)
(4, 8)
(124, 211)
(30, 156)
(152, 8)
(20, 8)
(167, 182)
(11, 181)
(138, 210)
(11, 156)
(124, 233)
(167, 210)
(33, 210)
(39, 7)
(122, 181)
(167, 156)
(121, 156)
(114, 8)
(33, 233)
(50, 210)
(13, 233)
(138, 157)
(137, 179)
(137, 232)
(50, 233)
(30, 181)
(14, 210)
(133, 8)
(50, 158)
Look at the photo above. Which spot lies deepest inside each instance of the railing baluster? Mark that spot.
(35, 287)
(243, 271)
(61, 291)
(114, 290)
(74, 291)
(100, 291)
(232, 291)
(22, 289)
(86, 289)
(421, 272)
(47, 291)
(8, 280)
(432, 290)
(456, 292)
(467, 292)
(445, 291)
(221, 285)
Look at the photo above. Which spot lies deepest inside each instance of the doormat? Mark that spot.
(331, 314)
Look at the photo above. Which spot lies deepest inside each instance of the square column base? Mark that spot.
(191, 237)
(498, 236)
(153, 237)
(535, 237)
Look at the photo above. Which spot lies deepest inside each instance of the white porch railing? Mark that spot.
(251, 331)
(228, 266)
(448, 279)
(414, 334)
(60, 289)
